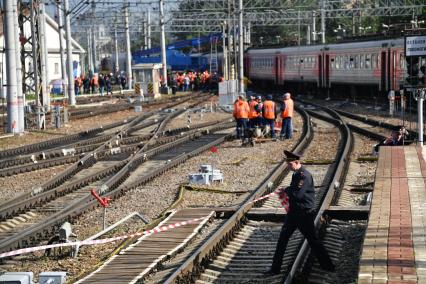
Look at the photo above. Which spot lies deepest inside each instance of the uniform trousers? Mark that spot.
(305, 223)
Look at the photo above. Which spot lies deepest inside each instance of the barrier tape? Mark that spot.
(102, 241)
(113, 239)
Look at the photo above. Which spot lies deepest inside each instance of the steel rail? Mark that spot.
(188, 271)
(338, 176)
(41, 231)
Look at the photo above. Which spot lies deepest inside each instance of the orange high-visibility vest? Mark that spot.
(269, 110)
(241, 109)
(289, 107)
(253, 113)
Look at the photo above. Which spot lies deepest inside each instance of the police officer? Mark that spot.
(301, 215)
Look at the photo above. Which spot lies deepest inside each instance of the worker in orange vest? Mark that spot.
(241, 112)
(253, 114)
(269, 114)
(286, 115)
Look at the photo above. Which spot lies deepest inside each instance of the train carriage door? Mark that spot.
(327, 71)
(277, 69)
(320, 84)
(383, 71)
(393, 83)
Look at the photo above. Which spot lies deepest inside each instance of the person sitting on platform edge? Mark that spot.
(396, 139)
(301, 215)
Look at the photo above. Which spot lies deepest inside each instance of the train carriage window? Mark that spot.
(356, 61)
(361, 61)
(333, 63)
(367, 61)
(346, 62)
(351, 62)
(337, 62)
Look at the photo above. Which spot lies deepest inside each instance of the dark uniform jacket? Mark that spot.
(301, 192)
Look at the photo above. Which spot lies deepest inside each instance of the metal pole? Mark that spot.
(94, 55)
(163, 45)
(71, 95)
(21, 98)
(10, 51)
(323, 21)
(229, 42)
(308, 35)
(145, 34)
(128, 54)
(35, 53)
(420, 119)
(149, 29)
(248, 33)
(314, 29)
(43, 57)
(298, 28)
(117, 64)
(225, 53)
(241, 46)
(89, 52)
(61, 47)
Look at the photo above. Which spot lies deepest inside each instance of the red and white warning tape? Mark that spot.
(113, 239)
(102, 241)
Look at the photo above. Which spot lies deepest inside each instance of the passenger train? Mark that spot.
(372, 67)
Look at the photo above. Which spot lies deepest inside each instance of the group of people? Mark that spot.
(190, 81)
(97, 83)
(257, 113)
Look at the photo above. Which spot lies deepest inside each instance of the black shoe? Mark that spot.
(271, 272)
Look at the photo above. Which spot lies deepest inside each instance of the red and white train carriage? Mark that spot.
(373, 66)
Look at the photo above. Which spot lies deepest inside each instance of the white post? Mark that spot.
(43, 57)
(323, 21)
(10, 51)
(241, 46)
(61, 47)
(71, 94)
(21, 96)
(420, 117)
(225, 53)
(148, 27)
(117, 64)
(128, 54)
(163, 45)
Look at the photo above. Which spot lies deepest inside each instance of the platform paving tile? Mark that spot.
(394, 249)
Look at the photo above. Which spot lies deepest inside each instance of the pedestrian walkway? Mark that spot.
(394, 248)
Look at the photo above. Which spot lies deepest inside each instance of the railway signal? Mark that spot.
(412, 70)
(423, 70)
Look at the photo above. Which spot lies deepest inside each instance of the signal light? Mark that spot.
(412, 70)
(423, 70)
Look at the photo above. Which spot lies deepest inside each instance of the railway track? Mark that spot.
(242, 249)
(112, 177)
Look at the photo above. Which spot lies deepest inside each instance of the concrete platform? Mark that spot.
(394, 249)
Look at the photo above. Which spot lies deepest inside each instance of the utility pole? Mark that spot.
(94, 53)
(323, 21)
(21, 97)
(145, 31)
(117, 64)
(225, 53)
(128, 54)
(89, 52)
(43, 56)
(163, 48)
(10, 51)
(230, 65)
(308, 35)
(241, 46)
(314, 29)
(148, 27)
(298, 28)
(61, 47)
(71, 95)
